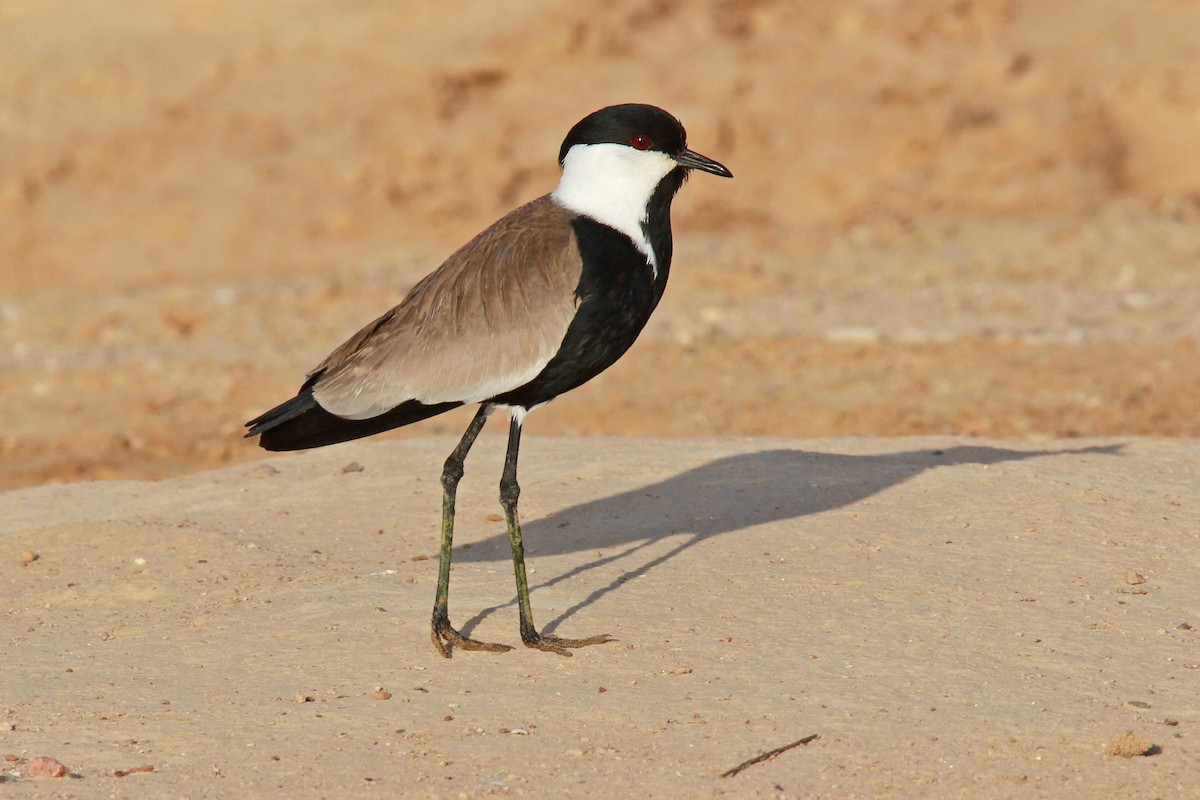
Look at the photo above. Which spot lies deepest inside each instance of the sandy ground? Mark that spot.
(953, 618)
(976, 220)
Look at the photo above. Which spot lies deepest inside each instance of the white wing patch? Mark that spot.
(364, 404)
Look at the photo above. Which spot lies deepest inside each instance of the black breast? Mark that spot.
(617, 292)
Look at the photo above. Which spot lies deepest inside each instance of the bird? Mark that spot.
(536, 305)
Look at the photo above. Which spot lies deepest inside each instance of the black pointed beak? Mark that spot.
(693, 160)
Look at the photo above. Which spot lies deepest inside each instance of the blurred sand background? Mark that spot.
(962, 237)
(975, 217)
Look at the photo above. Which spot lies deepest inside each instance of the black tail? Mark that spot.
(301, 423)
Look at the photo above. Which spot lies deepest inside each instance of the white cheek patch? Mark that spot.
(612, 184)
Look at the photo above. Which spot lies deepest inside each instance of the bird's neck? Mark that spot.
(623, 189)
(657, 225)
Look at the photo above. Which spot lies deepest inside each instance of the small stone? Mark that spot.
(1183, 626)
(121, 773)
(681, 671)
(303, 698)
(1137, 703)
(28, 557)
(1129, 744)
(1133, 579)
(495, 518)
(353, 466)
(382, 695)
(46, 767)
(1171, 721)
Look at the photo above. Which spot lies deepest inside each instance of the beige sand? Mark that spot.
(952, 618)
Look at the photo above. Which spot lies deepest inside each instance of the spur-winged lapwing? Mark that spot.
(541, 302)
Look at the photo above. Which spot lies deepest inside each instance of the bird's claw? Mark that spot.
(443, 633)
(560, 645)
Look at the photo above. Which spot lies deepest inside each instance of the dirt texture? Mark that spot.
(976, 223)
(951, 617)
(966, 218)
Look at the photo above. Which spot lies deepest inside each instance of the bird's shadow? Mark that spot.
(724, 496)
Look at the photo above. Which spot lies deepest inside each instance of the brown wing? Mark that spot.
(485, 322)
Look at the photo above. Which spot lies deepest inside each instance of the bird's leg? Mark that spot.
(509, 492)
(441, 630)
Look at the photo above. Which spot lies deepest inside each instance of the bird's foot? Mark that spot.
(443, 634)
(560, 645)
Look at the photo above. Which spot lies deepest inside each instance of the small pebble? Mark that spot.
(353, 466)
(681, 671)
(1137, 703)
(121, 773)
(1129, 744)
(1133, 579)
(46, 767)
(382, 695)
(28, 557)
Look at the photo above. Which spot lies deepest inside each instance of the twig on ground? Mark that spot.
(767, 756)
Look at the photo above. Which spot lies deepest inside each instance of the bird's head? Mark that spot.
(632, 138)
(616, 159)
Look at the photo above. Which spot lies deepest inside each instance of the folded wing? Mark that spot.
(487, 321)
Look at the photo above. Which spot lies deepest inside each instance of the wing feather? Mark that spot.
(485, 322)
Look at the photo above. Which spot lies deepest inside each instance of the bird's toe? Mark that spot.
(562, 645)
(443, 633)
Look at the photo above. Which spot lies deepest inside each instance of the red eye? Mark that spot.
(640, 142)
